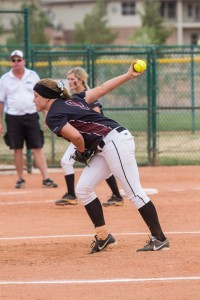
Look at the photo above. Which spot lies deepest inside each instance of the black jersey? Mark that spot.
(92, 125)
(93, 105)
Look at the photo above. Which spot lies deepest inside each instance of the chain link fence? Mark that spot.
(177, 105)
(161, 108)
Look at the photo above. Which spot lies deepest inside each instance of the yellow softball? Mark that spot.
(140, 66)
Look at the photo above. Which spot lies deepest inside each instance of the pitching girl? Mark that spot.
(115, 153)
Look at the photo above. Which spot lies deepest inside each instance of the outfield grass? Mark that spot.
(166, 120)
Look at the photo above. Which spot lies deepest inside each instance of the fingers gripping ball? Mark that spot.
(140, 66)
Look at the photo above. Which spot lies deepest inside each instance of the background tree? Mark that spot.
(152, 30)
(38, 22)
(94, 28)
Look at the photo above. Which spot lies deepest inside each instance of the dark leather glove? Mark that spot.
(83, 157)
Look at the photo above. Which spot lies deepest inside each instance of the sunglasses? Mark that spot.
(16, 60)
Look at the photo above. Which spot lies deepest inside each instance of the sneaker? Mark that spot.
(99, 245)
(154, 245)
(49, 183)
(20, 184)
(114, 201)
(67, 200)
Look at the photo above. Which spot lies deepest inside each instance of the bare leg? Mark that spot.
(41, 162)
(19, 162)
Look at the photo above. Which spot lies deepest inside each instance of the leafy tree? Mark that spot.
(153, 30)
(38, 22)
(94, 28)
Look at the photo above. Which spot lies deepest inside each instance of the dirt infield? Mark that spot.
(43, 248)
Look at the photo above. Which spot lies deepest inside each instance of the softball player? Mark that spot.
(77, 80)
(115, 153)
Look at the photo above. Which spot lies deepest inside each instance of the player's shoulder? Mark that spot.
(59, 103)
(78, 96)
(57, 107)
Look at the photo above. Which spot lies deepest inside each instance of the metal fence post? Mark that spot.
(154, 108)
(149, 79)
(29, 162)
(192, 89)
(93, 66)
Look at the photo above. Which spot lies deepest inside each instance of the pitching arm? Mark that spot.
(106, 87)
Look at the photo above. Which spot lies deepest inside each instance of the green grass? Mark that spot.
(166, 120)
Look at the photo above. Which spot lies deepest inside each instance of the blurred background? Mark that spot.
(161, 108)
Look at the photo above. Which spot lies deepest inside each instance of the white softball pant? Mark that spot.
(117, 157)
(67, 162)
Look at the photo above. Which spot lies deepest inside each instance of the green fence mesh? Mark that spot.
(161, 108)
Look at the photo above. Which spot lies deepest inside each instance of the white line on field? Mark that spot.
(26, 202)
(88, 235)
(121, 280)
(183, 190)
(15, 193)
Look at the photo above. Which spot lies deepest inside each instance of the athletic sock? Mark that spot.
(101, 232)
(95, 212)
(111, 181)
(149, 215)
(69, 179)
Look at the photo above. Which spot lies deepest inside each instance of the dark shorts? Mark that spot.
(22, 129)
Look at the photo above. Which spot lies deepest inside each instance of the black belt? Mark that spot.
(118, 129)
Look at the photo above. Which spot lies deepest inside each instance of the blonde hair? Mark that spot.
(55, 86)
(81, 74)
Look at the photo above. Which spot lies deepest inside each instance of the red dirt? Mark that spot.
(55, 264)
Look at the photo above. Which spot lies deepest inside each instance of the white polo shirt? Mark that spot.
(17, 94)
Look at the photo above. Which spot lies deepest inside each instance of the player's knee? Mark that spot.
(140, 199)
(63, 162)
(67, 166)
(82, 191)
(85, 194)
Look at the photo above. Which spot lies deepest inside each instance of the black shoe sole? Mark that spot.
(116, 203)
(68, 202)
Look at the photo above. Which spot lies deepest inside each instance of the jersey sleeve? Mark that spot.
(79, 95)
(56, 120)
(92, 105)
(96, 104)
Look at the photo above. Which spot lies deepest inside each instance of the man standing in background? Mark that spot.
(22, 120)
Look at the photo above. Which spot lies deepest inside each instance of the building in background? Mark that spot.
(122, 15)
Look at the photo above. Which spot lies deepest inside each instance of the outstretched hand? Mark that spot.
(132, 73)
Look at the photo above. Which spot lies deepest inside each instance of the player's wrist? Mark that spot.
(80, 151)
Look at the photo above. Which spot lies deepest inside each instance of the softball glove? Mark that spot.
(83, 157)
